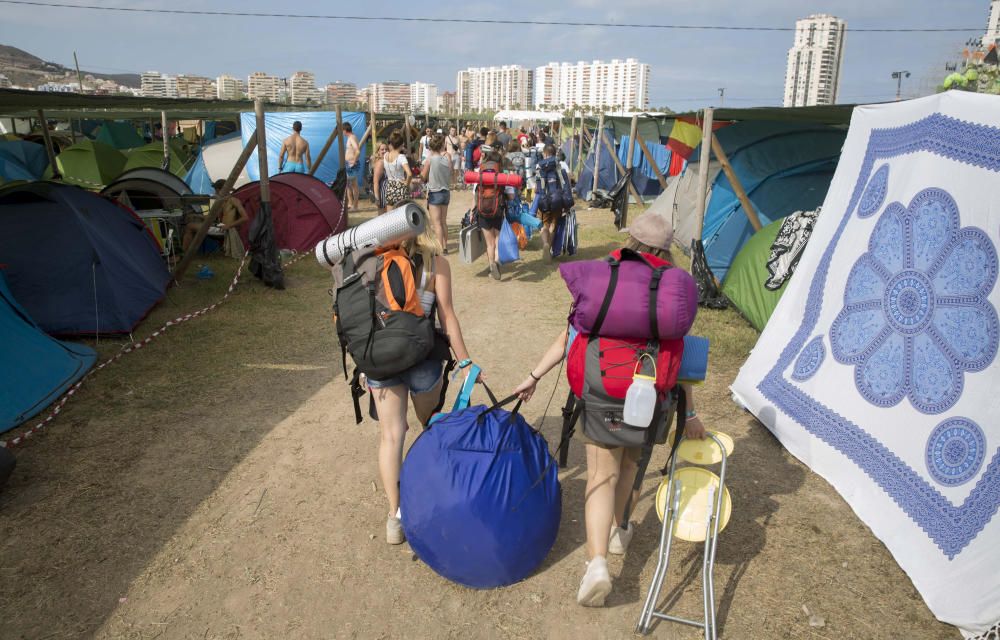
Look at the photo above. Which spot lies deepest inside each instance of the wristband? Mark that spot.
(464, 363)
(690, 414)
(532, 374)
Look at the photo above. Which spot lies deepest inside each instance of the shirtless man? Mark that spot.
(233, 215)
(352, 157)
(297, 149)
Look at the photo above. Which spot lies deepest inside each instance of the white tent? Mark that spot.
(510, 115)
(879, 367)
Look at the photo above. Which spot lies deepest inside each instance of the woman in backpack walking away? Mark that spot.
(491, 221)
(611, 470)
(421, 383)
(548, 202)
(397, 172)
(436, 173)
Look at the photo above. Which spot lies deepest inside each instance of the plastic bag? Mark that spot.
(507, 245)
(522, 236)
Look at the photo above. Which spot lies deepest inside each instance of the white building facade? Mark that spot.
(815, 61)
(494, 88)
(154, 84)
(229, 88)
(993, 25)
(423, 97)
(302, 89)
(267, 88)
(618, 85)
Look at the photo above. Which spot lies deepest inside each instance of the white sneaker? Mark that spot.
(596, 583)
(394, 530)
(620, 539)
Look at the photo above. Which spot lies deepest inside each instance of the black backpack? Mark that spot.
(555, 194)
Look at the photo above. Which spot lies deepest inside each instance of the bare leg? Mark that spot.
(425, 403)
(438, 215)
(629, 467)
(603, 468)
(491, 236)
(190, 231)
(391, 405)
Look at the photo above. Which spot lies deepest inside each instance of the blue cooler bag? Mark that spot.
(479, 495)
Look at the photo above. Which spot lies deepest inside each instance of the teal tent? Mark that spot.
(120, 135)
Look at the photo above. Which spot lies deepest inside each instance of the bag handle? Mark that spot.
(465, 393)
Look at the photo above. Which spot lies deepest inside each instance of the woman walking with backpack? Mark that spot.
(421, 383)
(397, 172)
(436, 173)
(611, 470)
(491, 208)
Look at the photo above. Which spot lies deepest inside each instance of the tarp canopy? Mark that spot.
(744, 285)
(35, 369)
(22, 160)
(77, 262)
(316, 129)
(514, 115)
(879, 369)
(214, 162)
(120, 135)
(90, 164)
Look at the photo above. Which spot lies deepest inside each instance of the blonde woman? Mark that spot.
(421, 383)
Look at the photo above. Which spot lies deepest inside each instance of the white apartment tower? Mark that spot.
(618, 85)
(302, 89)
(158, 85)
(229, 88)
(495, 88)
(423, 97)
(260, 85)
(993, 25)
(390, 96)
(814, 61)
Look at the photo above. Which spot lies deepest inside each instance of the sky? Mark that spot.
(687, 67)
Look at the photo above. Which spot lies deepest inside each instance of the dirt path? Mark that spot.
(214, 485)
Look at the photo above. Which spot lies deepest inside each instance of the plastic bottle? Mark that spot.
(640, 401)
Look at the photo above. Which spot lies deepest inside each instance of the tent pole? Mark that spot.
(341, 149)
(48, 145)
(406, 133)
(572, 141)
(214, 212)
(703, 160)
(166, 141)
(629, 163)
(737, 186)
(261, 133)
(618, 163)
(597, 154)
(652, 163)
(326, 147)
(374, 130)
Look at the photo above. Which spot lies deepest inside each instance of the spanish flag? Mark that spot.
(686, 135)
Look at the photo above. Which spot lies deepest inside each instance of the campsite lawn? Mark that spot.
(214, 485)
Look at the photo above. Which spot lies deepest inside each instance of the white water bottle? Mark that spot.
(640, 400)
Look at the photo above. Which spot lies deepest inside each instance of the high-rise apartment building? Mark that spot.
(267, 88)
(815, 61)
(341, 93)
(618, 85)
(302, 89)
(495, 88)
(154, 84)
(423, 97)
(389, 96)
(993, 25)
(447, 103)
(195, 87)
(230, 88)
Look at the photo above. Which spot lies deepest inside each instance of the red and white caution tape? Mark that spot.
(135, 346)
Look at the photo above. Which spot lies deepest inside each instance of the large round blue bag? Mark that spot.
(479, 496)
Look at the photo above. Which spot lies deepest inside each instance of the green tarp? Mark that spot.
(744, 284)
(90, 164)
(120, 135)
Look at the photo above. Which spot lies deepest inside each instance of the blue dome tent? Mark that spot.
(22, 160)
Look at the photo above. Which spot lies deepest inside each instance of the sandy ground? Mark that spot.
(214, 485)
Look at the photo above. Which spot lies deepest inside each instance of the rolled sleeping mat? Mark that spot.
(402, 223)
(502, 179)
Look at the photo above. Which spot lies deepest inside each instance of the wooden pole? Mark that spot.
(572, 143)
(652, 162)
(326, 147)
(703, 160)
(406, 134)
(618, 163)
(166, 141)
(629, 164)
(374, 130)
(735, 183)
(597, 153)
(341, 143)
(265, 183)
(48, 145)
(213, 213)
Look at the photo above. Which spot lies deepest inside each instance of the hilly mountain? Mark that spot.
(23, 68)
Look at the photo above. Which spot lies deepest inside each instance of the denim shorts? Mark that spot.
(419, 378)
(441, 198)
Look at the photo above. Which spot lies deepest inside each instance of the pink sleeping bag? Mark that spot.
(628, 314)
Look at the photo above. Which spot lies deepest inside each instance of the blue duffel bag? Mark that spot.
(479, 494)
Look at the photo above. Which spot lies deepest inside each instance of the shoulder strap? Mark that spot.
(654, 290)
(608, 296)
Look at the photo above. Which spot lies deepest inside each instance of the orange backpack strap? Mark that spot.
(398, 282)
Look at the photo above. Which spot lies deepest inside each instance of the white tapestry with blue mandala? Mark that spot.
(879, 368)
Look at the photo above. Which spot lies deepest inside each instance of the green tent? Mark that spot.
(744, 284)
(151, 156)
(120, 135)
(89, 164)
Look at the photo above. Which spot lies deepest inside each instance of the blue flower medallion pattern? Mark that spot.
(955, 451)
(874, 195)
(809, 360)
(916, 316)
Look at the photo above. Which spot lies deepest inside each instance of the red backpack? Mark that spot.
(489, 192)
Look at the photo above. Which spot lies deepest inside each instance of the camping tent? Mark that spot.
(90, 164)
(643, 177)
(151, 156)
(78, 263)
(35, 368)
(120, 135)
(22, 160)
(879, 369)
(304, 210)
(607, 172)
(214, 162)
(783, 166)
(744, 285)
(316, 128)
(147, 189)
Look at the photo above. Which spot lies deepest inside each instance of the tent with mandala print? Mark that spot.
(879, 367)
